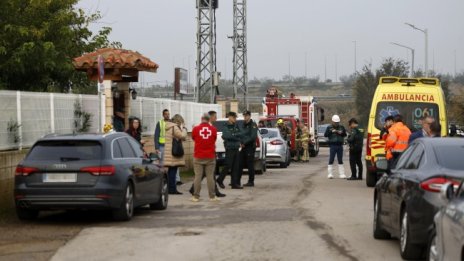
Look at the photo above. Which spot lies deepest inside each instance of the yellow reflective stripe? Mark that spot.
(162, 138)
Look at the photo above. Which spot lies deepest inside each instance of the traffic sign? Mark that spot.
(101, 69)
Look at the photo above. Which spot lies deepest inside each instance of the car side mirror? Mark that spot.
(153, 156)
(447, 192)
(382, 164)
(263, 131)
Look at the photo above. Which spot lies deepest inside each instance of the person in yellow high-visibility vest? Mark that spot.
(160, 135)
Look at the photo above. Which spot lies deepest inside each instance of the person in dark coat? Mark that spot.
(247, 155)
(232, 137)
(135, 129)
(425, 132)
(118, 120)
(355, 141)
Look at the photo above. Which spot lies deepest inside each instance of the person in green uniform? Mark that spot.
(355, 141)
(247, 154)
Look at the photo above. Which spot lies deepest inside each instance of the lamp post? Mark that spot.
(426, 33)
(355, 56)
(411, 74)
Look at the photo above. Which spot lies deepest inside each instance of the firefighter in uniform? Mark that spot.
(298, 140)
(285, 132)
(247, 154)
(232, 137)
(397, 141)
(305, 136)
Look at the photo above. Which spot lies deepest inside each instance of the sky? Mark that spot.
(283, 36)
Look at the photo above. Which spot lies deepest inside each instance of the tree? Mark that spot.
(39, 39)
(367, 81)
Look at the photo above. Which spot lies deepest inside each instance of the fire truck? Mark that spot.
(291, 110)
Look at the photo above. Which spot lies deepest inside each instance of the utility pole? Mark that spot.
(355, 57)
(411, 74)
(426, 34)
(306, 65)
(336, 68)
(240, 60)
(455, 63)
(325, 68)
(206, 50)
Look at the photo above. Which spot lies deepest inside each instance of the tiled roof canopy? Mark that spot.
(120, 64)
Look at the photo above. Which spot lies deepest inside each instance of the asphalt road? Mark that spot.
(291, 214)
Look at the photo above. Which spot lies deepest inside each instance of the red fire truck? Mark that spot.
(291, 109)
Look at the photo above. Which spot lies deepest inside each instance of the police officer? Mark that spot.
(247, 154)
(232, 137)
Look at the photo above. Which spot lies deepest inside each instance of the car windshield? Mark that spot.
(221, 125)
(272, 133)
(322, 128)
(66, 150)
(412, 112)
(450, 156)
(272, 123)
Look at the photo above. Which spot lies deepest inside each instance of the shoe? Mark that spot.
(352, 178)
(220, 195)
(191, 190)
(330, 171)
(249, 184)
(360, 178)
(179, 183)
(215, 199)
(220, 184)
(237, 187)
(195, 199)
(176, 193)
(341, 171)
(330, 177)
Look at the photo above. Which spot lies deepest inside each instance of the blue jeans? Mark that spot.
(336, 150)
(161, 156)
(172, 171)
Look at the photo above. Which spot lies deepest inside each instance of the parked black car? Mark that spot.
(406, 201)
(91, 171)
(447, 243)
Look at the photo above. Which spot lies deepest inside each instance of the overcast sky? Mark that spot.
(165, 31)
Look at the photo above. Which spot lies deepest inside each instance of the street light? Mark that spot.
(426, 33)
(355, 56)
(411, 74)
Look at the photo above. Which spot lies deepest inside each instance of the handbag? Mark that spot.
(177, 148)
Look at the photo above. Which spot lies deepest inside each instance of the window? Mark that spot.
(66, 150)
(404, 158)
(271, 134)
(117, 154)
(415, 158)
(137, 147)
(450, 156)
(412, 112)
(221, 125)
(126, 148)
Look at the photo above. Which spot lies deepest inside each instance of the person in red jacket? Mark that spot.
(204, 157)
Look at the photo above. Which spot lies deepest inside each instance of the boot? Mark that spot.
(330, 170)
(341, 171)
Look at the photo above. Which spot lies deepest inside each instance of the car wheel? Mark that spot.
(407, 249)
(432, 252)
(26, 214)
(264, 166)
(126, 210)
(379, 233)
(371, 179)
(284, 165)
(162, 203)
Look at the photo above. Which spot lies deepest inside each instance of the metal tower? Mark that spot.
(206, 50)
(240, 60)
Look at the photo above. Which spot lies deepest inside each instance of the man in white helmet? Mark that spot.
(336, 134)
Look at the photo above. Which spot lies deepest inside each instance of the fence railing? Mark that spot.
(28, 116)
(150, 110)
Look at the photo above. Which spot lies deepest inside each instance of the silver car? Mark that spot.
(277, 148)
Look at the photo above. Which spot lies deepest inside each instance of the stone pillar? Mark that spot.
(108, 100)
(234, 106)
(223, 104)
(123, 87)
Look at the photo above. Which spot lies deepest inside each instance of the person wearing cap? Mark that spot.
(204, 157)
(232, 137)
(336, 134)
(247, 154)
(285, 132)
(355, 141)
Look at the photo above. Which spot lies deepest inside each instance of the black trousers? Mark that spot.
(247, 158)
(392, 162)
(356, 160)
(232, 164)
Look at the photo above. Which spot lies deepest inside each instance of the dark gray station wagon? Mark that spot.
(89, 171)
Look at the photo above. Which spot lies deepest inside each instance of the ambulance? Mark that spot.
(413, 98)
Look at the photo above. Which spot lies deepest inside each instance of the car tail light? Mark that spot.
(435, 184)
(368, 144)
(277, 142)
(258, 145)
(25, 171)
(100, 170)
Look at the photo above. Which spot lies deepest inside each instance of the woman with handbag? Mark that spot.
(174, 151)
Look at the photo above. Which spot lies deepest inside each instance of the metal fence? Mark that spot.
(150, 110)
(27, 116)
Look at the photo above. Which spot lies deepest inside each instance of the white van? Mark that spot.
(260, 154)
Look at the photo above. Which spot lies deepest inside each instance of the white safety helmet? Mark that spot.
(336, 118)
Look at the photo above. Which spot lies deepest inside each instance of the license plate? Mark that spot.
(60, 177)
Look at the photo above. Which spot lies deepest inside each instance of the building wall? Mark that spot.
(8, 162)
